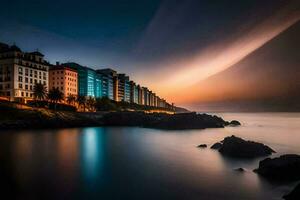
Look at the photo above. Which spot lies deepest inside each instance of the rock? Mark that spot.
(239, 169)
(216, 146)
(202, 146)
(179, 121)
(283, 168)
(234, 123)
(294, 194)
(237, 147)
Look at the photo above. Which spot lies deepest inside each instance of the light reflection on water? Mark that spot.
(135, 163)
(91, 152)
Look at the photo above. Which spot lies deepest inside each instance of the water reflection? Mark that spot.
(136, 163)
(91, 151)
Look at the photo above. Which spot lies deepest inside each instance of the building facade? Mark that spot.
(134, 93)
(20, 71)
(109, 83)
(89, 82)
(123, 88)
(65, 79)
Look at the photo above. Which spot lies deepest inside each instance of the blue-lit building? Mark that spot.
(109, 83)
(134, 93)
(123, 88)
(89, 82)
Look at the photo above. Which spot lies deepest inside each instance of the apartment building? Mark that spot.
(123, 88)
(109, 83)
(65, 79)
(89, 82)
(20, 71)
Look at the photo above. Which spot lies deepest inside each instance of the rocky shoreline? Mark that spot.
(282, 169)
(44, 119)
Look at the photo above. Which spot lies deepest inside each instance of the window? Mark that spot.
(30, 87)
(20, 79)
(20, 86)
(22, 94)
(26, 87)
(31, 80)
(26, 80)
(26, 94)
(35, 81)
(26, 72)
(20, 70)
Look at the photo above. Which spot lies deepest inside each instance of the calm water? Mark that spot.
(136, 163)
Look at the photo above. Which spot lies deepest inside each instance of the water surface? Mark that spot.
(137, 163)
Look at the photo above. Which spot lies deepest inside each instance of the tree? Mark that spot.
(39, 91)
(91, 102)
(55, 96)
(105, 104)
(81, 100)
(71, 99)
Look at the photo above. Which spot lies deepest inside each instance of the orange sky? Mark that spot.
(178, 80)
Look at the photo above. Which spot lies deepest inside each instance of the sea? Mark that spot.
(142, 163)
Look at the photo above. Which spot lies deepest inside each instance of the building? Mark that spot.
(134, 93)
(89, 82)
(65, 79)
(20, 71)
(123, 88)
(140, 94)
(109, 83)
(146, 96)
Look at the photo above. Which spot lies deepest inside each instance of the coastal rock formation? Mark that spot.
(237, 147)
(294, 194)
(234, 123)
(202, 146)
(283, 168)
(239, 169)
(179, 121)
(18, 118)
(216, 146)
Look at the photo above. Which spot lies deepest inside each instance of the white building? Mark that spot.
(19, 71)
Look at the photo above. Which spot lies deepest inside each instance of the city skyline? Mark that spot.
(21, 73)
(171, 46)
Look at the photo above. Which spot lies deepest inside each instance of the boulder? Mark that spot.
(217, 146)
(237, 147)
(239, 169)
(234, 123)
(283, 168)
(202, 146)
(294, 194)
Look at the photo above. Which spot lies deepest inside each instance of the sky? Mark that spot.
(191, 52)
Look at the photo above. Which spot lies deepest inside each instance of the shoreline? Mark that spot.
(26, 119)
